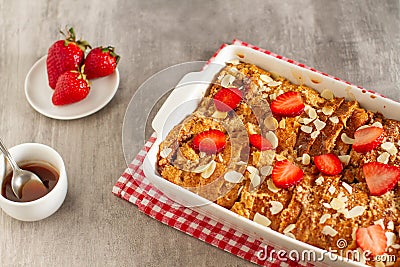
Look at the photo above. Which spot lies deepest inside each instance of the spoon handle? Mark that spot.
(8, 156)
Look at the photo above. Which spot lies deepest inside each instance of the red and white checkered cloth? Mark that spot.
(135, 188)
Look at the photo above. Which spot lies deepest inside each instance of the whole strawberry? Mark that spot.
(101, 62)
(72, 86)
(64, 55)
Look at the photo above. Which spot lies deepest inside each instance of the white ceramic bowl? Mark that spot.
(46, 205)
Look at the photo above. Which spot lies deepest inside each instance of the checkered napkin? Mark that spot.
(135, 188)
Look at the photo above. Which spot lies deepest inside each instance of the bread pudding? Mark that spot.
(312, 166)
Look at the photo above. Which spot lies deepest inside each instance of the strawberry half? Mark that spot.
(71, 87)
(64, 55)
(289, 104)
(367, 139)
(260, 142)
(285, 174)
(210, 142)
(227, 99)
(328, 164)
(372, 239)
(380, 177)
(101, 62)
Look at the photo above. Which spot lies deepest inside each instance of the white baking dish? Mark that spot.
(184, 100)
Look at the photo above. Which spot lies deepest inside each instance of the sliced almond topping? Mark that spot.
(347, 140)
(319, 180)
(327, 111)
(327, 205)
(290, 235)
(227, 80)
(380, 222)
(345, 159)
(219, 114)
(252, 169)
(355, 212)
(276, 207)
(274, 83)
(289, 228)
(377, 124)
(390, 225)
(233, 177)
(383, 158)
(324, 217)
(306, 159)
(233, 61)
(202, 168)
(389, 147)
(273, 139)
(272, 187)
(241, 163)
(306, 129)
(332, 189)
(260, 83)
(306, 121)
(314, 134)
(391, 238)
(209, 171)
(396, 246)
(280, 157)
(266, 170)
(272, 96)
(261, 219)
(266, 78)
(280, 92)
(271, 123)
(221, 159)
(328, 230)
(319, 125)
(202, 154)
(282, 124)
(327, 94)
(354, 233)
(337, 204)
(255, 179)
(312, 113)
(347, 187)
(299, 189)
(334, 119)
(165, 152)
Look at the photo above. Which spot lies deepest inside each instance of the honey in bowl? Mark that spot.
(32, 190)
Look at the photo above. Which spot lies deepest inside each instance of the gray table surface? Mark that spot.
(357, 41)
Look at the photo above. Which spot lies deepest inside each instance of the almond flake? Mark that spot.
(306, 159)
(266, 170)
(355, 212)
(233, 177)
(328, 230)
(319, 125)
(272, 187)
(219, 114)
(272, 96)
(279, 157)
(281, 92)
(266, 78)
(327, 111)
(332, 189)
(241, 163)
(337, 204)
(396, 246)
(290, 235)
(377, 124)
(299, 189)
(274, 83)
(324, 217)
(312, 113)
(227, 80)
(390, 225)
(306, 121)
(306, 129)
(391, 238)
(202, 168)
(334, 119)
(261, 219)
(314, 134)
(383, 158)
(202, 154)
(276, 207)
(233, 61)
(380, 222)
(347, 140)
(319, 180)
(209, 171)
(347, 187)
(327, 205)
(252, 169)
(271, 123)
(354, 233)
(389, 147)
(165, 152)
(282, 124)
(345, 159)
(221, 159)
(255, 179)
(273, 139)
(327, 94)
(289, 228)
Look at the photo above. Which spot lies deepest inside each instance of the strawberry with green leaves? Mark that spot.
(64, 55)
(101, 62)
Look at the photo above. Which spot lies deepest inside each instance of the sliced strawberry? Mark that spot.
(227, 99)
(285, 174)
(372, 239)
(210, 142)
(260, 142)
(289, 104)
(328, 164)
(367, 139)
(380, 177)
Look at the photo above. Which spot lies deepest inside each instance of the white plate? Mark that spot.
(39, 93)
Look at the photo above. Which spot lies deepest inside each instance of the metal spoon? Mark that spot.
(20, 177)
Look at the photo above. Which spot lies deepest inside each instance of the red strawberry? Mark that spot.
(289, 104)
(380, 177)
(286, 174)
(64, 55)
(372, 238)
(260, 142)
(210, 142)
(227, 99)
(100, 62)
(328, 164)
(367, 139)
(71, 87)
